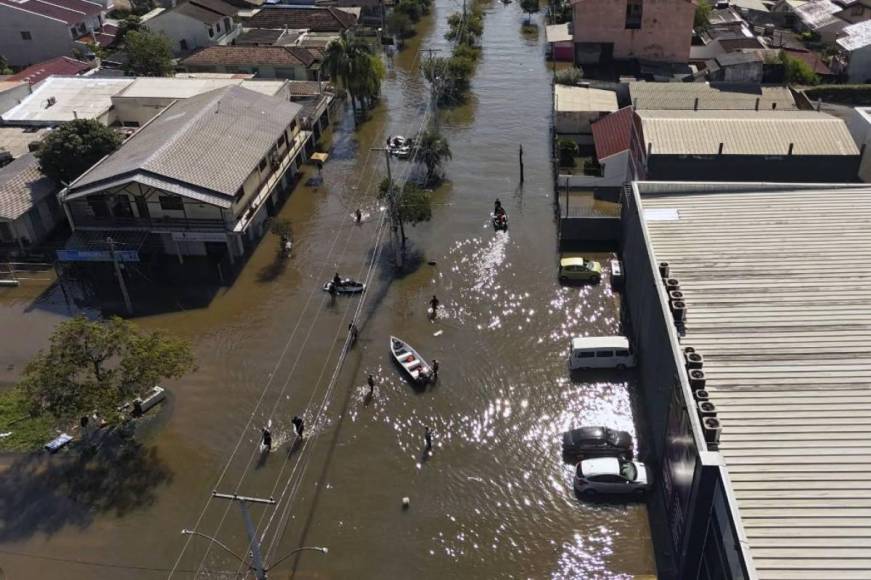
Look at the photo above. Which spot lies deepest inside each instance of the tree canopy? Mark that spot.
(349, 62)
(148, 55)
(797, 71)
(432, 151)
(703, 12)
(4, 66)
(73, 147)
(413, 203)
(530, 7)
(96, 366)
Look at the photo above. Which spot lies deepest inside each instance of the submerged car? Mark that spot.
(597, 442)
(579, 269)
(611, 476)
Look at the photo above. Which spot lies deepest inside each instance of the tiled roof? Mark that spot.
(250, 55)
(306, 88)
(314, 19)
(727, 96)
(218, 6)
(62, 65)
(206, 145)
(745, 133)
(613, 133)
(68, 11)
(22, 185)
(198, 13)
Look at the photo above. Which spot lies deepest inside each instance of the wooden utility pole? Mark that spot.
(393, 207)
(120, 276)
(521, 163)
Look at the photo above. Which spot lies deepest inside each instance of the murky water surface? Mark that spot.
(494, 498)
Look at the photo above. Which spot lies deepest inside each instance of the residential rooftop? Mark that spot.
(62, 65)
(817, 14)
(612, 133)
(74, 98)
(856, 36)
(316, 19)
(713, 96)
(22, 185)
(250, 55)
(776, 283)
(67, 11)
(745, 133)
(203, 147)
(16, 140)
(584, 99)
(183, 88)
(558, 33)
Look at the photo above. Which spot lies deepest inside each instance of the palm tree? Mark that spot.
(432, 151)
(349, 61)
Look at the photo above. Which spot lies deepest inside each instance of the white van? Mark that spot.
(601, 352)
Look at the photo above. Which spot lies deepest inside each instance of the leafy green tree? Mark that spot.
(567, 150)
(411, 205)
(703, 12)
(465, 31)
(400, 25)
(74, 147)
(351, 64)
(432, 151)
(570, 76)
(410, 8)
(797, 72)
(130, 23)
(97, 366)
(530, 7)
(148, 55)
(5, 69)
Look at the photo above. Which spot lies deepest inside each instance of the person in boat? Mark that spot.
(358, 216)
(266, 439)
(298, 425)
(498, 210)
(337, 281)
(434, 304)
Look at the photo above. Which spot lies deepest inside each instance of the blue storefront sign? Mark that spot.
(97, 255)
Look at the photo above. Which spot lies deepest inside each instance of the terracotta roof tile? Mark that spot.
(251, 55)
(62, 65)
(314, 19)
(612, 133)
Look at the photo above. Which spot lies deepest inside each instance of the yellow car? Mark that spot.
(579, 269)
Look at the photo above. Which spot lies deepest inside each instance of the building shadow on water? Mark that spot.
(42, 494)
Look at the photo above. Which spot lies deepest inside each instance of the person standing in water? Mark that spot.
(371, 382)
(298, 425)
(434, 305)
(435, 369)
(427, 437)
(358, 216)
(266, 439)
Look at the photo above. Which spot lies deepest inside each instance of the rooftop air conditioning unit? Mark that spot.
(694, 360)
(712, 428)
(50, 102)
(706, 409)
(697, 379)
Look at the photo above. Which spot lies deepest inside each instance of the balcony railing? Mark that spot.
(148, 224)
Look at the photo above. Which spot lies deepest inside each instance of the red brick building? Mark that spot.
(656, 30)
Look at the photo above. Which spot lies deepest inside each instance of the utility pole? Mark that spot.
(120, 275)
(434, 96)
(254, 543)
(395, 217)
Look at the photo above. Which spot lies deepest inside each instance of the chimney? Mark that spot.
(720, 149)
(757, 103)
(791, 145)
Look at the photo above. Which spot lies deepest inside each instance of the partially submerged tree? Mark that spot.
(411, 204)
(96, 366)
(530, 7)
(432, 151)
(349, 62)
(148, 55)
(73, 147)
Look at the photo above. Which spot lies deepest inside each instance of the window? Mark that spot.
(211, 32)
(633, 14)
(171, 202)
(585, 354)
(227, 24)
(262, 164)
(183, 44)
(82, 28)
(218, 27)
(858, 9)
(622, 353)
(25, 35)
(604, 353)
(73, 32)
(282, 140)
(293, 126)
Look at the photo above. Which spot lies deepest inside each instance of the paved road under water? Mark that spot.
(494, 500)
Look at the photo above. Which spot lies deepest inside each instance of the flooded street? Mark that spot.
(495, 498)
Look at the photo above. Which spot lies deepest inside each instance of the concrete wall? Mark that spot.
(750, 72)
(615, 172)
(665, 33)
(589, 229)
(13, 96)
(178, 27)
(859, 66)
(783, 169)
(49, 38)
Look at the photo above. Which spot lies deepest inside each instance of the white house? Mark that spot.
(33, 31)
(195, 24)
(854, 58)
(576, 108)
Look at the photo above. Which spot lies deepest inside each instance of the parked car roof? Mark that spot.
(600, 466)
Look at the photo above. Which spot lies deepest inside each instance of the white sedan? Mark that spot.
(611, 476)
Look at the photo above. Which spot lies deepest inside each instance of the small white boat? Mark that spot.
(411, 362)
(345, 286)
(399, 146)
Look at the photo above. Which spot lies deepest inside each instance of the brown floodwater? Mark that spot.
(494, 500)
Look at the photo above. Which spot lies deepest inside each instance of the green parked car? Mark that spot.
(579, 269)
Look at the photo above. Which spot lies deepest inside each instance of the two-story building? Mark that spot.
(33, 31)
(199, 179)
(655, 30)
(195, 24)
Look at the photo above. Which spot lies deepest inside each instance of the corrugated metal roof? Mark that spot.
(745, 133)
(211, 141)
(731, 96)
(779, 304)
(584, 99)
(22, 185)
